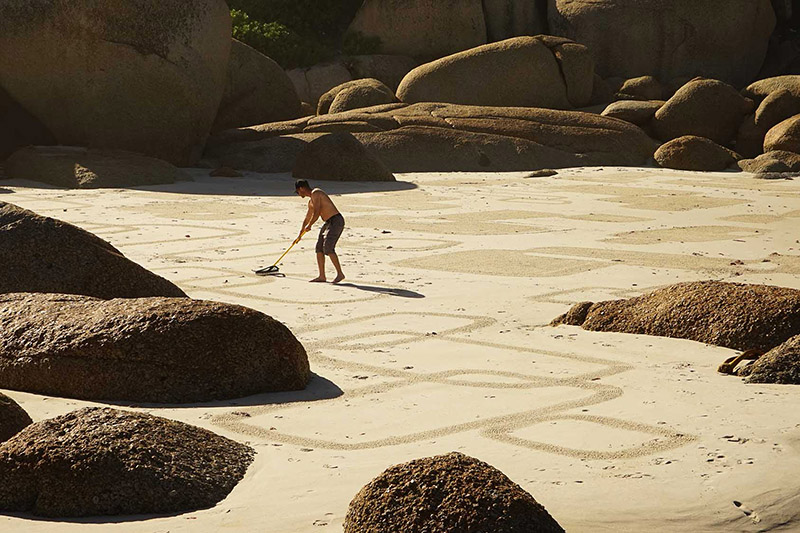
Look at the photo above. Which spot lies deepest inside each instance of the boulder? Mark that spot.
(705, 108)
(425, 29)
(19, 128)
(144, 76)
(523, 71)
(101, 462)
(781, 365)
(775, 108)
(695, 153)
(669, 39)
(436, 137)
(41, 254)
(339, 157)
(514, 18)
(76, 167)
(784, 136)
(389, 70)
(643, 88)
(772, 162)
(750, 137)
(732, 315)
(634, 111)
(355, 94)
(13, 418)
(446, 493)
(311, 83)
(760, 89)
(257, 91)
(161, 350)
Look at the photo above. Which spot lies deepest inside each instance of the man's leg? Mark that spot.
(321, 266)
(335, 261)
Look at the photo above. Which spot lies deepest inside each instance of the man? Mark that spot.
(321, 205)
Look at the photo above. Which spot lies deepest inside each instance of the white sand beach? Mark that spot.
(439, 341)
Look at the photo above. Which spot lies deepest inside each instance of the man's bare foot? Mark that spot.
(320, 279)
(338, 278)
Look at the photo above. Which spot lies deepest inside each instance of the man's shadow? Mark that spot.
(402, 293)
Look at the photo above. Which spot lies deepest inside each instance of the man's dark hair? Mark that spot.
(301, 184)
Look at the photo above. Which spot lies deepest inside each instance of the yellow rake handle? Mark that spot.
(289, 249)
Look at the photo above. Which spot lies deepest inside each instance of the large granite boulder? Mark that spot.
(144, 76)
(366, 92)
(732, 315)
(776, 161)
(76, 167)
(784, 136)
(268, 155)
(721, 39)
(19, 128)
(436, 137)
(705, 108)
(775, 108)
(642, 88)
(758, 90)
(780, 365)
(636, 112)
(339, 157)
(443, 494)
(13, 418)
(695, 153)
(537, 71)
(162, 350)
(422, 28)
(257, 91)
(388, 69)
(41, 254)
(101, 462)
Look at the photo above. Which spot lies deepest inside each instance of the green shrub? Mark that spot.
(278, 42)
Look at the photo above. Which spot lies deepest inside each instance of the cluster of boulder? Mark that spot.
(743, 317)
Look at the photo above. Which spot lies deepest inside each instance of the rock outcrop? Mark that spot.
(720, 39)
(431, 137)
(257, 91)
(75, 167)
(355, 94)
(422, 28)
(13, 418)
(732, 315)
(339, 157)
(443, 494)
(781, 365)
(144, 76)
(784, 136)
(388, 69)
(772, 162)
(636, 112)
(540, 71)
(162, 350)
(41, 254)
(704, 108)
(695, 153)
(101, 462)
(312, 82)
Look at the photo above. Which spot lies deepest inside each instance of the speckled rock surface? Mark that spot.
(95, 462)
(445, 494)
(42, 254)
(13, 418)
(780, 365)
(732, 315)
(163, 350)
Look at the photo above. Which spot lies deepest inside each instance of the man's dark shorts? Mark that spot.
(329, 234)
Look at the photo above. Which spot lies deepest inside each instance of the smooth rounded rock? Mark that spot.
(339, 157)
(695, 153)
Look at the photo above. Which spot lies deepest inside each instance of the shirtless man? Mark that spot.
(321, 205)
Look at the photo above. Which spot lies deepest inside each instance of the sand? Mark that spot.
(440, 342)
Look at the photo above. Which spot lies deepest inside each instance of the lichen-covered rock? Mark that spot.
(775, 108)
(162, 350)
(444, 494)
(339, 157)
(354, 95)
(144, 76)
(732, 315)
(101, 462)
(539, 71)
(780, 365)
(695, 153)
(41, 254)
(13, 418)
(87, 168)
(704, 108)
(721, 39)
(257, 91)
